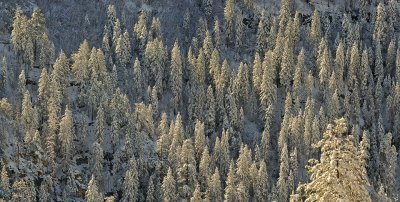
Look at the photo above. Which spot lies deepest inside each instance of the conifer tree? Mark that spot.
(282, 183)
(217, 35)
(196, 196)
(340, 174)
(316, 33)
(257, 73)
(67, 134)
(262, 33)
(380, 26)
(23, 190)
(243, 168)
(214, 66)
(187, 178)
(176, 76)
(130, 186)
(229, 21)
(92, 193)
(261, 184)
(287, 71)
(4, 183)
(230, 188)
(388, 163)
(150, 195)
(204, 169)
(379, 70)
(268, 87)
(138, 80)
(169, 188)
(214, 189)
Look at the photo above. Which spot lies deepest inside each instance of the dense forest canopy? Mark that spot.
(236, 103)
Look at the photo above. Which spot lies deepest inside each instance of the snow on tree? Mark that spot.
(187, 175)
(164, 138)
(214, 66)
(138, 80)
(340, 174)
(67, 134)
(60, 73)
(217, 35)
(268, 87)
(130, 185)
(92, 193)
(380, 26)
(4, 183)
(315, 33)
(261, 183)
(196, 196)
(282, 184)
(23, 190)
(176, 76)
(229, 20)
(243, 169)
(155, 28)
(169, 193)
(230, 188)
(214, 189)
(388, 164)
(287, 71)
(204, 169)
(199, 140)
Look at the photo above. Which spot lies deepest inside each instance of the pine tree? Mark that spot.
(287, 71)
(340, 174)
(214, 189)
(150, 195)
(92, 193)
(196, 196)
(169, 188)
(199, 140)
(210, 110)
(388, 163)
(282, 183)
(325, 68)
(243, 168)
(67, 134)
(60, 73)
(214, 66)
(239, 32)
(217, 35)
(380, 26)
(261, 184)
(123, 52)
(316, 33)
(130, 186)
(19, 32)
(204, 168)
(229, 21)
(187, 175)
(262, 33)
(138, 80)
(176, 76)
(155, 28)
(268, 87)
(4, 183)
(23, 190)
(257, 73)
(390, 59)
(97, 161)
(230, 188)
(28, 119)
(298, 80)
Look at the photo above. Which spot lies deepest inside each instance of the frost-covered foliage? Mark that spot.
(227, 101)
